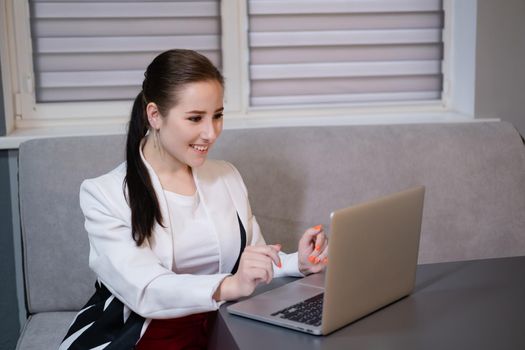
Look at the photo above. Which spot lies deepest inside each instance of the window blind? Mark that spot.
(337, 51)
(88, 50)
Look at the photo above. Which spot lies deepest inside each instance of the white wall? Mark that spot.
(500, 61)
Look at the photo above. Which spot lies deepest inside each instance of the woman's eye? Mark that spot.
(218, 116)
(195, 119)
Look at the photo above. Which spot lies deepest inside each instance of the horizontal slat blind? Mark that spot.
(87, 50)
(336, 51)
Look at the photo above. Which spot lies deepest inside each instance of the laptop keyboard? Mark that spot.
(308, 311)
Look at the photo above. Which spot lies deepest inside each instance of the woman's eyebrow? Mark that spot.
(195, 112)
(203, 112)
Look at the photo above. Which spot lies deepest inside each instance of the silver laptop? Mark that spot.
(372, 259)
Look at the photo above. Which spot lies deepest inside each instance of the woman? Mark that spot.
(171, 234)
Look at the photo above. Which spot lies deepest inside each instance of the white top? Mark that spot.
(195, 243)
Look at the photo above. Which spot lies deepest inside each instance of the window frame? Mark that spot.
(24, 115)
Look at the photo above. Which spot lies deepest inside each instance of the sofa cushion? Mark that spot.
(45, 330)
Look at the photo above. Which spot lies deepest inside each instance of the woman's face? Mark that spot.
(190, 129)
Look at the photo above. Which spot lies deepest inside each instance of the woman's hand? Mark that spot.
(255, 267)
(313, 250)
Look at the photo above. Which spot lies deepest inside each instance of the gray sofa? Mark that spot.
(474, 206)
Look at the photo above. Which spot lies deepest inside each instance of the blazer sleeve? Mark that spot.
(290, 262)
(135, 275)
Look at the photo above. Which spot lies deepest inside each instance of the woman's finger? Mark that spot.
(257, 262)
(309, 235)
(319, 243)
(270, 251)
(259, 274)
(254, 259)
(323, 256)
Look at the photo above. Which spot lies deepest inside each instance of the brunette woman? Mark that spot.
(171, 233)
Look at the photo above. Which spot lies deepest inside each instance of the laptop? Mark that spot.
(372, 260)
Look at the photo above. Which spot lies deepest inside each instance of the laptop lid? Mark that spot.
(373, 251)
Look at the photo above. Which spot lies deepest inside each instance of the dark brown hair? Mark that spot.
(164, 78)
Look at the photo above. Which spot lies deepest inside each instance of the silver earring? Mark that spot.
(156, 141)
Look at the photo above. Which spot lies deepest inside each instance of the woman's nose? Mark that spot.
(208, 131)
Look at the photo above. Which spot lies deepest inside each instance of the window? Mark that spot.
(286, 62)
(326, 52)
(96, 51)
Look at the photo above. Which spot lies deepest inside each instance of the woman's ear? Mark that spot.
(154, 117)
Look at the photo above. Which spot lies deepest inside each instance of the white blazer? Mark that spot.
(142, 277)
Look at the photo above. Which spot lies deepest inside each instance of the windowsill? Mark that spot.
(14, 139)
(233, 121)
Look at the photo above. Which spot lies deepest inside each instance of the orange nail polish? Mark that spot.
(311, 259)
(317, 260)
(318, 248)
(279, 265)
(325, 260)
(318, 227)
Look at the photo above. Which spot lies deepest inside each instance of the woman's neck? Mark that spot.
(174, 176)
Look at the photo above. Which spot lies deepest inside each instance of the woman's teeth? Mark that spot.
(200, 148)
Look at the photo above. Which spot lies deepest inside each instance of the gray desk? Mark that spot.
(460, 305)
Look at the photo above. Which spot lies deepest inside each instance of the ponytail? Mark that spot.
(145, 209)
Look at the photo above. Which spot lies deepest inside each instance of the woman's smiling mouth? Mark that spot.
(200, 148)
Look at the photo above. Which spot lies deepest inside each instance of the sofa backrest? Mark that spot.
(56, 246)
(474, 175)
(474, 206)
